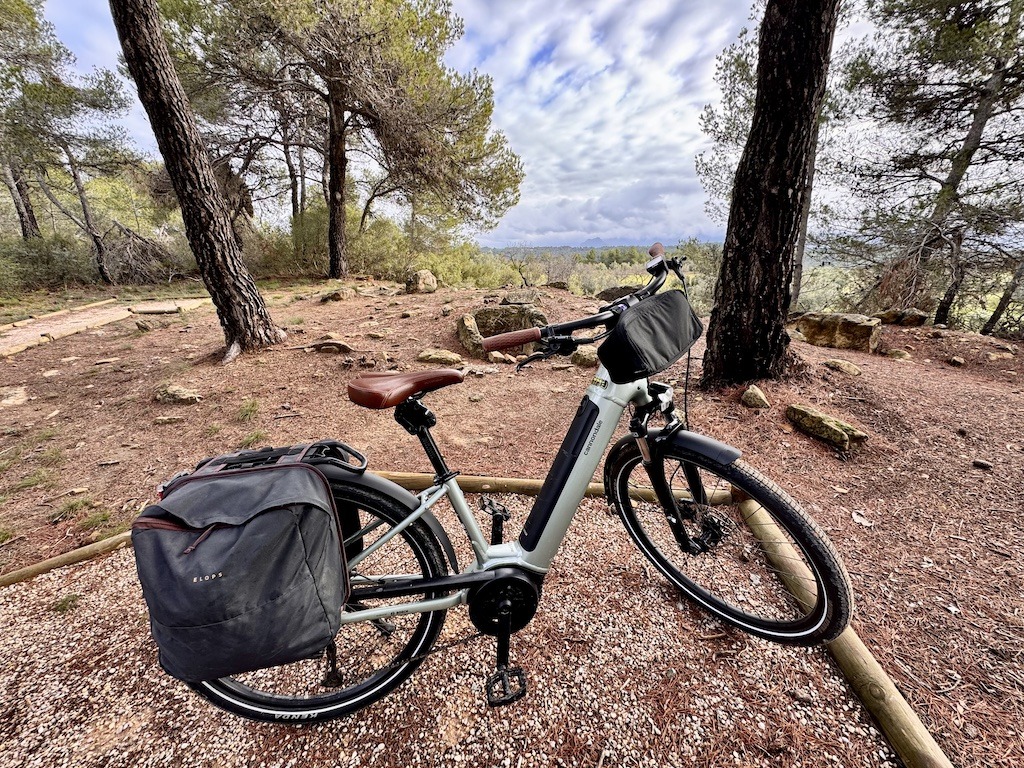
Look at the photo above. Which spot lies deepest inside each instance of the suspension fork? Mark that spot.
(652, 454)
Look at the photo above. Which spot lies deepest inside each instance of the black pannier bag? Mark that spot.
(241, 564)
(649, 337)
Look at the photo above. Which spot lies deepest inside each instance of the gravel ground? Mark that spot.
(620, 673)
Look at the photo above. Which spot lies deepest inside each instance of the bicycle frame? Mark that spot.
(574, 465)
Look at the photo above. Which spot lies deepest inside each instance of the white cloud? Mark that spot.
(601, 100)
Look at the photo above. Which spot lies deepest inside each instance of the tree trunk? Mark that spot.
(747, 337)
(244, 318)
(1005, 299)
(87, 218)
(805, 218)
(18, 187)
(337, 160)
(959, 273)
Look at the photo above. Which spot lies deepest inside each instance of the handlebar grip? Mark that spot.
(511, 339)
(657, 250)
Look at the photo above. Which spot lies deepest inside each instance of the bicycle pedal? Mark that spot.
(506, 686)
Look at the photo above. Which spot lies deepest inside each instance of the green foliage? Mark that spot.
(6, 534)
(249, 409)
(96, 520)
(54, 262)
(65, 604)
(253, 439)
(37, 478)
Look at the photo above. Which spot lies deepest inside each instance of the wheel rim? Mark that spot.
(734, 577)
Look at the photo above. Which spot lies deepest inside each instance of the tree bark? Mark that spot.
(337, 160)
(15, 181)
(244, 318)
(88, 220)
(1005, 299)
(747, 337)
(805, 218)
(959, 273)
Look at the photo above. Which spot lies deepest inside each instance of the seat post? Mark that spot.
(416, 419)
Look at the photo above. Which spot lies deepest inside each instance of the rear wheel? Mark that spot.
(373, 657)
(734, 543)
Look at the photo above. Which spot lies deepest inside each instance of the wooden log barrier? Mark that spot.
(68, 558)
(906, 733)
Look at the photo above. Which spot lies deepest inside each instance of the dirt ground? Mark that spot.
(927, 514)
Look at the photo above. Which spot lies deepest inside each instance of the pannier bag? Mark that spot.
(649, 337)
(242, 568)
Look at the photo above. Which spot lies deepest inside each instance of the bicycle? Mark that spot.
(694, 509)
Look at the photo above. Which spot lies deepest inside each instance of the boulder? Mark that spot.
(440, 357)
(826, 428)
(560, 285)
(421, 281)
(469, 335)
(616, 292)
(508, 317)
(755, 398)
(585, 357)
(956, 361)
(523, 296)
(840, 331)
(913, 318)
(898, 354)
(844, 366)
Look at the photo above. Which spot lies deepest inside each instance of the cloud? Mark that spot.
(601, 100)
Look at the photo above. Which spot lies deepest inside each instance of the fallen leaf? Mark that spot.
(860, 519)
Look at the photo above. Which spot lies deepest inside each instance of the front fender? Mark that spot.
(702, 445)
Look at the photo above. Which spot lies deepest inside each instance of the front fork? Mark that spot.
(652, 453)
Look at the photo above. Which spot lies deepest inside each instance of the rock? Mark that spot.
(143, 325)
(508, 317)
(981, 464)
(13, 396)
(560, 285)
(175, 394)
(107, 361)
(421, 281)
(617, 292)
(1011, 348)
(342, 294)
(50, 374)
(446, 310)
(469, 335)
(940, 326)
(936, 334)
(523, 296)
(440, 357)
(754, 398)
(956, 361)
(168, 419)
(913, 318)
(332, 347)
(858, 332)
(496, 357)
(795, 335)
(996, 356)
(585, 357)
(476, 398)
(845, 366)
(376, 335)
(899, 354)
(406, 315)
(824, 427)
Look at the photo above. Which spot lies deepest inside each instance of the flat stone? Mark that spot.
(495, 357)
(50, 374)
(107, 361)
(844, 366)
(981, 464)
(13, 396)
(168, 419)
(826, 428)
(342, 294)
(899, 354)
(476, 398)
(176, 394)
(956, 361)
(996, 356)
(440, 357)
(523, 296)
(172, 307)
(755, 398)
(335, 347)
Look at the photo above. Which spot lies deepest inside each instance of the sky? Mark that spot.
(600, 99)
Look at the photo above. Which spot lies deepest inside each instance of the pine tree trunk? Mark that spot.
(959, 273)
(805, 218)
(88, 220)
(337, 160)
(1005, 299)
(244, 318)
(18, 187)
(747, 337)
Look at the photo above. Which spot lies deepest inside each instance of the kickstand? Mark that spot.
(333, 678)
(507, 684)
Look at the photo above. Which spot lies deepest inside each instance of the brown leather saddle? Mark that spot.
(386, 389)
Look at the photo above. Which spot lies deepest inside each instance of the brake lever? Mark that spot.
(553, 345)
(535, 356)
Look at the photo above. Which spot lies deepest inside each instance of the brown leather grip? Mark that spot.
(511, 339)
(657, 250)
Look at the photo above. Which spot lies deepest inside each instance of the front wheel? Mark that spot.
(733, 542)
(372, 657)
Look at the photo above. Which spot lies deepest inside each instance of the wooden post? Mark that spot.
(904, 729)
(68, 558)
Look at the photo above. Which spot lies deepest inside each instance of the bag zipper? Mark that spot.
(155, 523)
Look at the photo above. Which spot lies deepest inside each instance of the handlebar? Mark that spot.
(657, 267)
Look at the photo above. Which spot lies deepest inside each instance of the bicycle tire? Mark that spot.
(374, 658)
(737, 578)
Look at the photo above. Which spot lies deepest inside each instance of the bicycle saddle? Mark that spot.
(386, 390)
